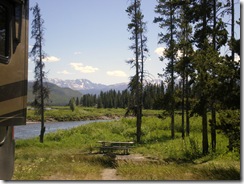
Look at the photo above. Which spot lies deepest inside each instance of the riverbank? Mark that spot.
(32, 130)
(63, 113)
(103, 118)
(65, 155)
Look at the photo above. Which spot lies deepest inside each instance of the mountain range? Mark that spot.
(57, 96)
(85, 86)
(61, 91)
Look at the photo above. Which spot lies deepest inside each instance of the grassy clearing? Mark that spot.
(65, 154)
(63, 113)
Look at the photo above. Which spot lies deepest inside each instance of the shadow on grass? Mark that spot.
(211, 171)
(178, 161)
(106, 160)
(214, 173)
(163, 139)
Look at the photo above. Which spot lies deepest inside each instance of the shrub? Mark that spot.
(229, 124)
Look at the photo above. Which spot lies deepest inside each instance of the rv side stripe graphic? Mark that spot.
(13, 90)
(12, 105)
(14, 118)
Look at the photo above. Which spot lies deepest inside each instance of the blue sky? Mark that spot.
(89, 39)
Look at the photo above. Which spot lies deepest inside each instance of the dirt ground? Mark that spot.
(111, 173)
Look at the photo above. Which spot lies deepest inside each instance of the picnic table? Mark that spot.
(110, 146)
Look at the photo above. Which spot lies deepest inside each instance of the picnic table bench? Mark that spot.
(110, 146)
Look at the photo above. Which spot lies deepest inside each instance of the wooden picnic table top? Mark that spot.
(110, 146)
(115, 142)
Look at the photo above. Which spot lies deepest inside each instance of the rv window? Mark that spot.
(4, 51)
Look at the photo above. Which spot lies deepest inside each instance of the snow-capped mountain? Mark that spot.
(78, 84)
(86, 86)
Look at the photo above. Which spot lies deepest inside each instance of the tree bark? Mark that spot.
(42, 98)
(203, 83)
(183, 105)
(138, 113)
(172, 76)
(213, 129)
(232, 28)
(204, 131)
(187, 107)
(213, 112)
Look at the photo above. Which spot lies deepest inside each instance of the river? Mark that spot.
(31, 130)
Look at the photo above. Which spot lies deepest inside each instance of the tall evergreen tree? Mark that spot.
(201, 13)
(143, 51)
(219, 38)
(168, 21)
(229, 76)
(137, 29)
(184, 45)
(210, 35)
(39, 90)
(132, 11)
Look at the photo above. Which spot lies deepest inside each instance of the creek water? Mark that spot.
(31, 130)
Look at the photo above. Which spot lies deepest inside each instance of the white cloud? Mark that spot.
(131, 60)
(237, 58)
(160, 51)
(116, 73)
(51, 59)
(77, 53)
(83, 69)
(64, 72)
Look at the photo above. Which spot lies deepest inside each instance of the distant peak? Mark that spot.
(86, 85)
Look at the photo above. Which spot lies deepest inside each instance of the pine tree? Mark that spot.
(137, 29)
(210, 36)
(229, 77)
(77, 103)
(184, 45)
(72, 104)
(168, 21)
(39, 90)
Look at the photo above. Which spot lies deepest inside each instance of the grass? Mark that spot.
(176, 171)
(63, 113)
(64, 155)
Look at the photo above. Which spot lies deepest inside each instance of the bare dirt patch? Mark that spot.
(131, 157)
(110, 174)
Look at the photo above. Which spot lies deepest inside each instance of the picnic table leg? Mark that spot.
(126, 151)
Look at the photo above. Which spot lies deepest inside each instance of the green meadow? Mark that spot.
(63, 113)
(70, 154)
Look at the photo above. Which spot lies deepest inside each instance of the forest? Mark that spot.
(193, 33)
(198, 79)
(153, 93)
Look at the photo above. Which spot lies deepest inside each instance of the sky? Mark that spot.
(88, 39)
